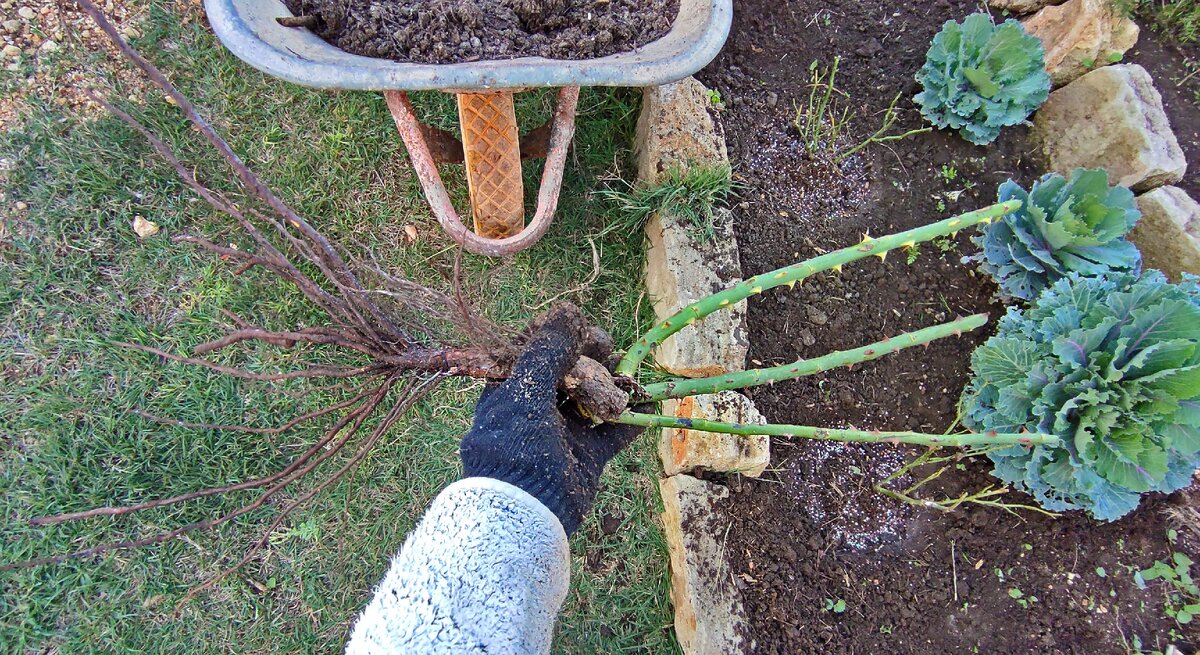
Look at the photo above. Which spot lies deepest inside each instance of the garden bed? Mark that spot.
(812, 532)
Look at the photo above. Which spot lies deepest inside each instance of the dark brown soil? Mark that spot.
(812, 531)
(449, 31)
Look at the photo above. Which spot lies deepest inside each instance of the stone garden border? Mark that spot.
(676, 131)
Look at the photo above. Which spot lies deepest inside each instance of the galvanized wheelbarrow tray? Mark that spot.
(491, 147)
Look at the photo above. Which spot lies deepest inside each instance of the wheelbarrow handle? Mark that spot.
(561, 132)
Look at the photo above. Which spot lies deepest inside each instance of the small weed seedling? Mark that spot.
(1182, 601)
(1024, 601)
(912, 253)
(1111, 58)
(949, 173)
(1134, 646)
(945, 244)
(836, 606)
(309, 531)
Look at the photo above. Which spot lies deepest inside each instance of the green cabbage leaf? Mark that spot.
(1110, 365)
(1075, 225)
(979, 77)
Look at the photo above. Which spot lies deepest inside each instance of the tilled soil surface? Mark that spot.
(450, 31)
(812, 531)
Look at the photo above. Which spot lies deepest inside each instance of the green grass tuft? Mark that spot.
(1177, 20)
(692, 194)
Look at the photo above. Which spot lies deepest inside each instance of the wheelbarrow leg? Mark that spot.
(561, 130)
(491, 146)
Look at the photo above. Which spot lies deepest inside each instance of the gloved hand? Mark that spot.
(529, 436)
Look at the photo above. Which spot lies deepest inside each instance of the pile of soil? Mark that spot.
(812, 531)
(451, 31)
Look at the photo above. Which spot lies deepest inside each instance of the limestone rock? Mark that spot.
(675, 131)
(1021, 6)
(680, 271)
(708, 614)
(144, 228)
(1080, 35)
(1169, 233)
(688, 450)
(1111, 118)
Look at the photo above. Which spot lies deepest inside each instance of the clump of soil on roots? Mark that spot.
(451, 31)
(812, 529)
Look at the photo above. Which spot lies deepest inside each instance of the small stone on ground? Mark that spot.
(144, 228)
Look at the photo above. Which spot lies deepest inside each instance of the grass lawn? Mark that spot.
(74, 278)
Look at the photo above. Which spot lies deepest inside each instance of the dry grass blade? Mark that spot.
(1185, 518)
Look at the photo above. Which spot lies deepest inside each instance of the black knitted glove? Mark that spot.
(527, 435)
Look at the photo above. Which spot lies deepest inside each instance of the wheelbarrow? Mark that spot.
(491, 148)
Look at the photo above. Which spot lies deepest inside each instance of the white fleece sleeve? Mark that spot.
(485, 571)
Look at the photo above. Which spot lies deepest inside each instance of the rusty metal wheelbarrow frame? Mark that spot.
(249, 29)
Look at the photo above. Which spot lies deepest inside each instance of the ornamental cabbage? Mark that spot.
(1111, 366)
(1063, 226)
(979, 77)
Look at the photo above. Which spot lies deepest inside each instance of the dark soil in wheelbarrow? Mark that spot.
(812, 532)
(451, 31)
